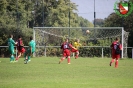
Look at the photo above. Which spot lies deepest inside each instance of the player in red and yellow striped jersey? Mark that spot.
(76, 44)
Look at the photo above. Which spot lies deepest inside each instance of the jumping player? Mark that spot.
(31, 49)
(76, 45)
(66, 51)
(115, 55)
(20, 48)
(11, 44)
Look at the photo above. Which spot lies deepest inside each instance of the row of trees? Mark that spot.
(20, 16)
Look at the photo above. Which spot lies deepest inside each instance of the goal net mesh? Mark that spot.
(49, 39)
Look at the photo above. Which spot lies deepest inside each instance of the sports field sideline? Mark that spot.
(45, 72)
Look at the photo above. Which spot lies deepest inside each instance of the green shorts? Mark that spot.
(28, 52)
(11, 51)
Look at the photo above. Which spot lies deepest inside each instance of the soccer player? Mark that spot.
(115, 54)
(66, 51)
(20, 48)
(76, 45)
(11, 44)
(31, 49)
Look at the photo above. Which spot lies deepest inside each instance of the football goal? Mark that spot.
(95, 43)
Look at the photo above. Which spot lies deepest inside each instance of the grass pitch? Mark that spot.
(45, 72)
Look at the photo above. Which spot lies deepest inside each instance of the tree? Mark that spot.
(99, 22)
(13, 20)
(18, 17)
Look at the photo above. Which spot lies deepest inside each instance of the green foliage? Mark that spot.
(99, 22)
(18, 17)
(113, 20)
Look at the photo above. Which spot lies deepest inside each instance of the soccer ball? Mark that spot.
(87, 31)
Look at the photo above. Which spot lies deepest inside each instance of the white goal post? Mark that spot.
(98, 36)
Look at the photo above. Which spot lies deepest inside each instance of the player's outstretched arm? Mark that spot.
(74, 48)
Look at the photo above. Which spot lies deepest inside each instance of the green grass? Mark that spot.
(45, 72)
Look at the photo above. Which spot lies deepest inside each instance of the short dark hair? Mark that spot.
(31, 38)
(10, 35)
(19, 36)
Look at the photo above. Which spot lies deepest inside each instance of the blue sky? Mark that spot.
(102, 8)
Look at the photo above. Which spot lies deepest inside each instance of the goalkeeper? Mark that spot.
(76, 44)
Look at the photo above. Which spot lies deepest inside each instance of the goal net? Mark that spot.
(96, 43)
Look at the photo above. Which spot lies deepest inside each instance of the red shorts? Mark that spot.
(74, 50)
(114, 56)
(66, 53)
(22, 50)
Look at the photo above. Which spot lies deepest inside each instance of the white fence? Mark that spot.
(101, 53)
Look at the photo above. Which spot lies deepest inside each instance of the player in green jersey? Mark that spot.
(31, 49)
(11, 44)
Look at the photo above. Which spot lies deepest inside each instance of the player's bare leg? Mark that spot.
(61, 59)
(68, 60)
(116, 63)
(77, 54)
(112, 61)
(19, 55)
(26, 58)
